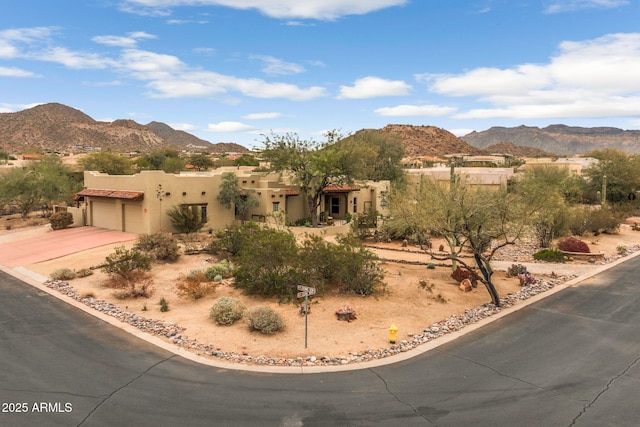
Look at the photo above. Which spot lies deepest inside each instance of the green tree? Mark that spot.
(477, 220)
(381, 155)
(312, 166)
(552, 189)
(231, 195)
(186, 218)
(622, 173)
(200, 161)
(44, 181)
(107, 162)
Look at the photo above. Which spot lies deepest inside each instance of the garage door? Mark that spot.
(103, 214)
(132, 218)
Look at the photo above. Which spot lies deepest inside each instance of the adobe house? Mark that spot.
(139, 203)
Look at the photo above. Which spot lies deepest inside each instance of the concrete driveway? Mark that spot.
(27, 248)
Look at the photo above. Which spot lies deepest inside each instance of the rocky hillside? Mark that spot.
(57, 127)
(517, 150)
(428, 141)
(559, 139)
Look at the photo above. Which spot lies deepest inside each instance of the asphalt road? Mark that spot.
(571, 359)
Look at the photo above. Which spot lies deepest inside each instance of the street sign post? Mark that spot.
(305, 292)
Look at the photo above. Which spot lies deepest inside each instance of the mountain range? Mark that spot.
(559, 139)
(57, 127)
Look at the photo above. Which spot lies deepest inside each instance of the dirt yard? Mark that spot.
(404, 303)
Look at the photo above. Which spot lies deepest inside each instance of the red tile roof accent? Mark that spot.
(112, 194)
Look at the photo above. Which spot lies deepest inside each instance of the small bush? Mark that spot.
(140, 286)
(128, 264)
(63, 274)
(462, 273)
(227, 310)
(549, 255)
(431, 266)
(194, 286)
(84, 272)
(223, 270)
(622, 249)
(159, 246)
(516, 269)
(265, 320)
(571, 244)
(526, 279)
(60, 220)
(164, 305)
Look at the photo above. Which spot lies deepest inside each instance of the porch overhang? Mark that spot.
(110, 194)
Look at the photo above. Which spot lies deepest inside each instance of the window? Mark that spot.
(276, 206)
(355, 205)
(203, 213)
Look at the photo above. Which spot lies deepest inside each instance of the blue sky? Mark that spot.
(234, 70)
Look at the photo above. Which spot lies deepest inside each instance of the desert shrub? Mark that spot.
(355, 268)
(140, 286)
(549, 255)
(195, 285)
(266, 264)
(164, 305)
(462, 273)
(63, 274)
(223, 270)
(186, 218)
(159, 246)
(60, 220)
(129, 264)
(516, 269)
(227, 310)
(526, 279)
(431, 266)
(571, 244)
(622, 249)
(265, 320)
(230, 241)
(597, 221)
(84, 272)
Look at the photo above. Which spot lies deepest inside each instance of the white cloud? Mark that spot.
(16, 72)
(281, 9)
(592, 78)
(182, 126)
(371, 87)
(14, 40)
(166, 76)
(229, 127)
(558, 6)
(130, 41)
(11, 108)
(275, 66)
(415, 110)
(73, 59)
(262, 116)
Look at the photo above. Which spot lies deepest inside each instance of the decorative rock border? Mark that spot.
(174, 333)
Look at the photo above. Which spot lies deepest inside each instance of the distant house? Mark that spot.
(575, 165)
(489, 177)
(139, 203)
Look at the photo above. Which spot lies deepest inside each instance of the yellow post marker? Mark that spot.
(393, 331)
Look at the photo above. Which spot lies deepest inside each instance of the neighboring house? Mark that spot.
(490, 177)
(575, 165)
(139, 203)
